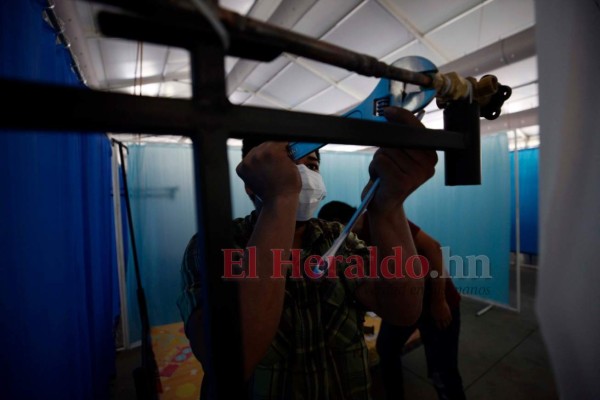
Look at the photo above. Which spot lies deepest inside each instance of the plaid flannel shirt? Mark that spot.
(319, 350)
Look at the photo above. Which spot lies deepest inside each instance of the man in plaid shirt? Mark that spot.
(302, 335)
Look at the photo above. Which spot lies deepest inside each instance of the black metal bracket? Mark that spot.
(209, 119)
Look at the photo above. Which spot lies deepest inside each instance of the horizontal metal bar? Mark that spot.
(174, 32)
(76, 109)
(318, 50)
(250, 38)
(268, 124)
(30, 105)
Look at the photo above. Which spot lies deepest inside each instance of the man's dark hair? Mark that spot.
(337, 211)
(249, 144)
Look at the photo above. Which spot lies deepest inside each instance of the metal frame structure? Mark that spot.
(209, 119)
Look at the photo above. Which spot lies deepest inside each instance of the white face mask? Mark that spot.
(313, 191)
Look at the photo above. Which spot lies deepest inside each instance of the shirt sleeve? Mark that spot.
(354, 246)
(190, 296)
(414, 228)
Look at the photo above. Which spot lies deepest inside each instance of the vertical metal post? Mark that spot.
(517, 221)
(116, 188)
(222, 332)
(463, 167)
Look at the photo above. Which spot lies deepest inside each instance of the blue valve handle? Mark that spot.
(386, 93)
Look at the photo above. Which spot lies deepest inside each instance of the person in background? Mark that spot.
(302, 338)
(439, 323)
(340, 212)
(439, 326)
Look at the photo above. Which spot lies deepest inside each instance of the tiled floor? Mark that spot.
(501, 355)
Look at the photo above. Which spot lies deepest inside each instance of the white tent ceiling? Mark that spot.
(440, 30)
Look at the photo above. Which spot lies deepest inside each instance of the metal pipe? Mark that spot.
(116, 188)
(517, 222)
(165, 116)
(270, 40)
(315, 49)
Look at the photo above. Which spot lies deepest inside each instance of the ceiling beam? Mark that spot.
(146, 80)
(509, 122)
(499, 54)
(263, 96)
(459, 17)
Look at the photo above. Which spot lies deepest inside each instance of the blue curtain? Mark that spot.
(471, 221)
(345, 175)
(163, 206)
(161, 186)
(58, 269)
(528, 198)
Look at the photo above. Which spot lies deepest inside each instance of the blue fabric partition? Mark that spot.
(528, 198)
(58, 285)
(163, 205)
(161, 186)
(471, 222)
(345, 176)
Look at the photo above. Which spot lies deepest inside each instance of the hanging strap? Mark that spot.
(146, 377)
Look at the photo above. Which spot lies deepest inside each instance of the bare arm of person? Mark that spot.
(397, 300)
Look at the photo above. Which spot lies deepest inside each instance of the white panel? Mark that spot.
(258, 102)
(239, 6)
(519, 73)
(513, 106)
(96, 59)
(362, 85)
(176, 89)
(239, 97)
(415, 49)
(323, 16)
(434, 120)
(568, 299)
(495, 21)
(345, 148)
(370, 30)
(181, 70)
(86, 17)
(294, 85)
(150, 89)
(335, 73)
(264, 72)
(177, 55)
(519, 93)
(330, 101)
(120, 59)
(428, 14)
(522, 98)
(524, 95)
(229, 63)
